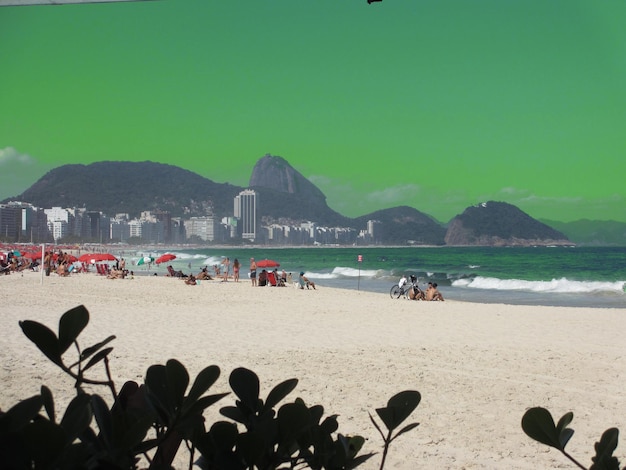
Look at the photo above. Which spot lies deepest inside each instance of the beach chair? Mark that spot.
(173, 273)
(271, 279)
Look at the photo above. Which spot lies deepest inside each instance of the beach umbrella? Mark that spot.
(267, 263)
(145, 260)
(87, 258)
(165, 258)
(96, 257)
(105, 257)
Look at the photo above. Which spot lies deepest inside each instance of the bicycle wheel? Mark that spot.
(395, 292)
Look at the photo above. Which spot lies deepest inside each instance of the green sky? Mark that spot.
(435, 104)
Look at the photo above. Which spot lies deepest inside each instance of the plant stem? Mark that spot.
(385, 450)
(573, 460)
(111, 383)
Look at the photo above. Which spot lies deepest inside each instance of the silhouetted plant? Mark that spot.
(153, 419)
(538, 424)
(399, 407)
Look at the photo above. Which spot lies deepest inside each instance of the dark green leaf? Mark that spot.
(97, 358)
(538, 424)
(399, 407)
(245, 384)
(177, 382)
(407, 428)
(136, 432)
(279, 392)
(199, 406)
(233, 413)
(224, 435)
(330, 424)
(156, 388)
(351, 444)
(292, 418)
(70, 325)
(48, 402)
(92, 349)
(380, 431)
(20, 414)
(77, 416)
(103, 418)
(205, 379)
(250, 446)
(604, 460)
(564, 433)
(44, 338)
(45, 440)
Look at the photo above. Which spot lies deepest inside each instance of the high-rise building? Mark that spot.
(246, 211)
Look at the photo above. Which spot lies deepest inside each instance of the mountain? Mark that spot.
(500, 224)
(130, 187)
(402, 225)
(592, 232)
(285, 197)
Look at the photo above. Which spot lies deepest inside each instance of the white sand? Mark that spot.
(478, 367)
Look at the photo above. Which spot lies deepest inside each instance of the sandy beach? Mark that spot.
(477, 366)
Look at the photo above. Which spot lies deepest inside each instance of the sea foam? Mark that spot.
(562, 285)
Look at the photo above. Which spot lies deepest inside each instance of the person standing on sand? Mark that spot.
(236, 266)
(226, 263)
(253, 271)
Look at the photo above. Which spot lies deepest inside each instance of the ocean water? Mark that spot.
(558, 276)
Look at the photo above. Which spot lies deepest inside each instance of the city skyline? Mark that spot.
(436, 106)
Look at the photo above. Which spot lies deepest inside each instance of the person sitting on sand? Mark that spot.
(262, 278)
(117, 274)
(415, 293)
(191, 280)
(62, 270)
(305, 281)
(204, 275)
(432, 293)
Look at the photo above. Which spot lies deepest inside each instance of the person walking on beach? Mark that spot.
(226, 263)
(236, 267)
(253, 272)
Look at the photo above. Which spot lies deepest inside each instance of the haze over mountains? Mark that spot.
(287, 197)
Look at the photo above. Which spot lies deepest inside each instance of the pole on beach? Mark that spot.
(41, 266)
(358, 284)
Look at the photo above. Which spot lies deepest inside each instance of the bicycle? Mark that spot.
(398, 291)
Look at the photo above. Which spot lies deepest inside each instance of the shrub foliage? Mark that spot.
(152, 420)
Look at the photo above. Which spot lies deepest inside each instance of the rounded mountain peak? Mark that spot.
(276, 173)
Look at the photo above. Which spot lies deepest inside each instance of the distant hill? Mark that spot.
(500, 224)
(402, 225)
(285, 196)
(130, 187)
(592, 232)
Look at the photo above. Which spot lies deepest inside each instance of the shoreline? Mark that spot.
(477, 366)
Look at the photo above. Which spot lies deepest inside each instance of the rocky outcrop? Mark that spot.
(500, 224)
(275, 173)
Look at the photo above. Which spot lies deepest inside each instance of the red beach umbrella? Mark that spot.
(96, 257)
(105, 257)
(267, 263)
(86, 257)
(165, 258)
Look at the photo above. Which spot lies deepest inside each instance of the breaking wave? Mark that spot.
(562, 285)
